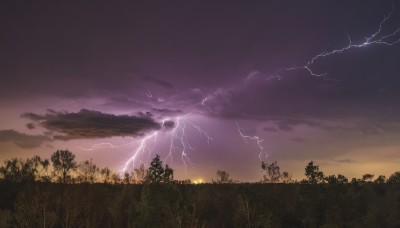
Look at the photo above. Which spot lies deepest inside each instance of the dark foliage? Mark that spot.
(86, 196)
(38, 204)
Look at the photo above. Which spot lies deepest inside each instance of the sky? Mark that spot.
(207, 85)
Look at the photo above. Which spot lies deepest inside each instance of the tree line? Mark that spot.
(38, 192)
(62, 167)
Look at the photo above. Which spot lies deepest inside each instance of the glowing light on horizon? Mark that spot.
(198, 181)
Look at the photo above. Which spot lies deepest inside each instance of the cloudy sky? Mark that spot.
(121, 82)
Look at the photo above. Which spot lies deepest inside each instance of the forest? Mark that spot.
(60, 192)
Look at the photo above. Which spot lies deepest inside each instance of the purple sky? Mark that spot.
(99, 78)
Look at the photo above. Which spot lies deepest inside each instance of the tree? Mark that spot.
(380, 180)
(129, 178)
(273, 172)
(286, 178)
(17, 170)
(63, 163)
(223, 177)
(116, 178)
(106, 173)
(331, 179)
(157, 173)
(87, 171)
(341, 179)
(313, 174)
(355, 181)
(367, 177)
(394, 178)
(41, 168)
(140, 174)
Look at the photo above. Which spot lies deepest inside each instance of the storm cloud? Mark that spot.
(22, 140)
(89, 124)
(303, 99)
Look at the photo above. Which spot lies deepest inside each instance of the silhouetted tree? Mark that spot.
(394, 178)
(331, 179)
(354, 181)
(140, 174)
(273, 172)
(129, 178)
(106, 174)
(313, 174)
(116, 179)
(63, 163)
(223, 177)
(286, 178)
(367, 177)
(18, 170)
(87, 171)
(157, 173)
(380, 180)
(341, 179)
(41, 167)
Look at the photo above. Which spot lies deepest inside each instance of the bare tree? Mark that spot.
(129, 178)
(87, 171)
(223, 177)
(116, 179)
(273, 174)
(286, 178)
(140, 173)
(63, 163)
(106, 174)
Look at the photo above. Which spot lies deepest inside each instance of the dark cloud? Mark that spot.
(303, 99)
(167, 112)
(30, 126)
(160, 82)
(22, 140)
(93, 124)
(169, 124)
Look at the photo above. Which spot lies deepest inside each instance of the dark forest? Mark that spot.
(60, 192)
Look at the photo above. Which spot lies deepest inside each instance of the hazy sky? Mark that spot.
(128, 80)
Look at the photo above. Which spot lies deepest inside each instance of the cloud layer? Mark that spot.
(89, 124)
(22, 140)
(302, 99)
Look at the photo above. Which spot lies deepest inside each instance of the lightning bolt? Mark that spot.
(203, 102)
(178, 142)
(140, 149)
(99, 146)
(202, 132)
(256, 139)
(374, 39)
